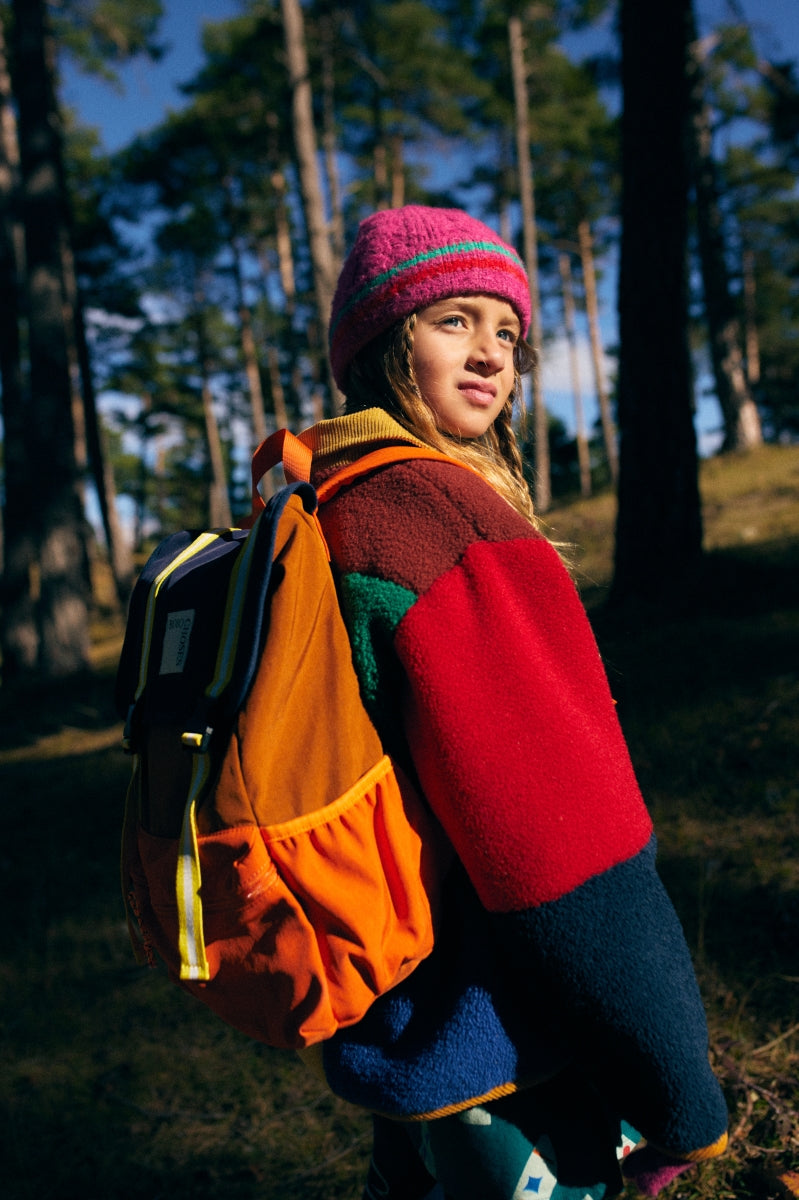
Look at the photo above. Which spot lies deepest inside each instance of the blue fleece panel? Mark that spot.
(615, 950)
(621, 1002)
(453, 1030)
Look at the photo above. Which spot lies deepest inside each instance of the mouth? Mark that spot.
(478, 391)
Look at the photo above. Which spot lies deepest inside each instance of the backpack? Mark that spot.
(273, 856)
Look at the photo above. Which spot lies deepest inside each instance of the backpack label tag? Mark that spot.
(176, 641)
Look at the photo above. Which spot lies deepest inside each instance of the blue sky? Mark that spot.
(150, 90)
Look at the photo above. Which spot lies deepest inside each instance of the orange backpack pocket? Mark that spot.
(362, 869)
(307, 922)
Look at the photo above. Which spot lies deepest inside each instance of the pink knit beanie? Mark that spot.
(406, 258)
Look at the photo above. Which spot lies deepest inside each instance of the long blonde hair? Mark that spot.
(382, 375)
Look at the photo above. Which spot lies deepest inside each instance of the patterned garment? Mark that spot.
(554, 1142)
(558, 942)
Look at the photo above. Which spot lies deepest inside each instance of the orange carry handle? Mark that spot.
(281, 447)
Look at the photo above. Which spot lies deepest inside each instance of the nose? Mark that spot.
(486, 356)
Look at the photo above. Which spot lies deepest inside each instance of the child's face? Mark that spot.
(463, 361)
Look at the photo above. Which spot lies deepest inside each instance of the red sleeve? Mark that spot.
(513, 729)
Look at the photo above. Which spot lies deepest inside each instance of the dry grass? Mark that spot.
(114, 1086)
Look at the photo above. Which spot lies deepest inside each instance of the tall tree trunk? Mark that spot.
(543, 484)
(583, 457)
(310, 184)
(90, 452)
(328, 42)
(285, 258)
(379, 152)
(143, 477)
(741, 420)
(750, 321)
(219, 512)
(120, 556)
(18, 634)
(588, 266)
(249, 353)
(56, 516)
(659, 527)
(253, 372)
(397, 173)
(69, 292)
(277, 389)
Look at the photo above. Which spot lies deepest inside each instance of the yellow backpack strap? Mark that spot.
(188, 881)
(133, 799)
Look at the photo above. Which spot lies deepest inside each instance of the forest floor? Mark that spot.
(115, 1086)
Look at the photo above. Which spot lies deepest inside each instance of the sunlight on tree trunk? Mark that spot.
(752, 340)
(285, 258)
(397, 173)
(583, 458)
(276, 390)
(69, 300)
(119, 547)
(219, 514)
(543, 486)
(276, 386)
(585, 243)
(310, 184)
(329, 139)
(741, 420)
(249, 353)
(253, 373)
(380, 157)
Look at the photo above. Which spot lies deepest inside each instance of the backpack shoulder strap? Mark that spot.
(381, 458)
(284, 447)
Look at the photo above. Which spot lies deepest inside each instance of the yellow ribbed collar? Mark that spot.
(342, 440)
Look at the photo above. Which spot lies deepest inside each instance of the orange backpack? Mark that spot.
(273, 856)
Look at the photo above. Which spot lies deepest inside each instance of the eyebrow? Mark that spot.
(467, 303)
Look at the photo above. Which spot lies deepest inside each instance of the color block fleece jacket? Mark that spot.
(557, 943)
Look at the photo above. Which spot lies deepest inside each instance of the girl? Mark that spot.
(559, 1003)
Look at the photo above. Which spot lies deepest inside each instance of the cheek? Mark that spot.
(430, 372)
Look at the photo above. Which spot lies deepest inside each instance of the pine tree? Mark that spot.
(56, 642)
(46, 582)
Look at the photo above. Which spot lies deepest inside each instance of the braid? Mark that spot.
(508, 450)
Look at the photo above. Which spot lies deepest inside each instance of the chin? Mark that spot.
(469, 430)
